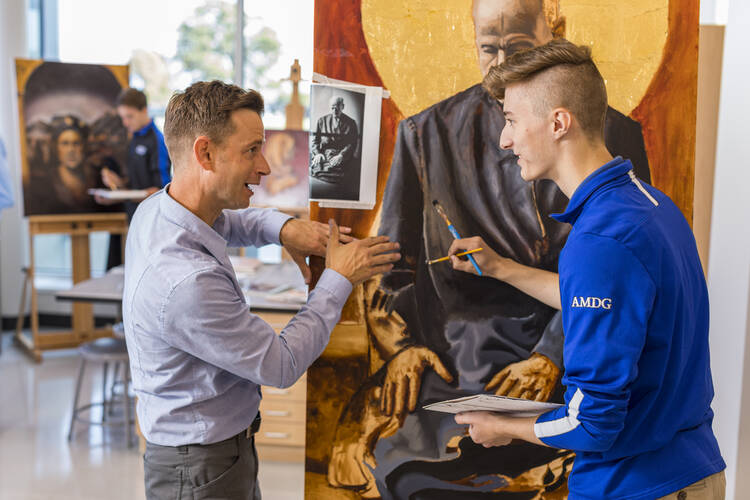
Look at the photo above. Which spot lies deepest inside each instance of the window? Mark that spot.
(170, 44)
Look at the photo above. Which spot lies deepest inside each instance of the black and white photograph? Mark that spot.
(344, 144)
(336, 142)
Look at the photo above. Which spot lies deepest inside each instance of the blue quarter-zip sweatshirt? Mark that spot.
(635, 315)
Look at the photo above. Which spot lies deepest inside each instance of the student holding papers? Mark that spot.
(632, 293)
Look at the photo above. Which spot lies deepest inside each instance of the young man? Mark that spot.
(198, 356)
(631, 288)
(148, 165)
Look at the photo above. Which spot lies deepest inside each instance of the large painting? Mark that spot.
(69, 132)
(422, 334)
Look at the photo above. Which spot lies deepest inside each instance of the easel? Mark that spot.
(78, 226)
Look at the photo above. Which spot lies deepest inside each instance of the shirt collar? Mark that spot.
(144, 130)
(204, 234)
(601, 176)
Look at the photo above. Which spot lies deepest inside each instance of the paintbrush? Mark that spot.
(443, 259)
(454, 232)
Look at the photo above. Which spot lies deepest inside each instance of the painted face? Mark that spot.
(504, 27)
(70, 149)
(240, 163)
(528, 134)
(133, 119)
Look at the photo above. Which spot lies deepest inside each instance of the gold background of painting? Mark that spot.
(424, 49)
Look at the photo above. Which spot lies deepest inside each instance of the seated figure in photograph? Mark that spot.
(333, 170)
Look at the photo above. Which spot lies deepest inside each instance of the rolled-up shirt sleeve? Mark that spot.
(607, 298)
(219, 329)
(251, 226)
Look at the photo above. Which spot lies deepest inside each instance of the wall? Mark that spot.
(729, 259)
(13, 230)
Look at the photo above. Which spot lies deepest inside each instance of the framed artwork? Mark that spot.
(421, 334)
(69, 131)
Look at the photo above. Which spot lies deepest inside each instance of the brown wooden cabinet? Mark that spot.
(282, 431)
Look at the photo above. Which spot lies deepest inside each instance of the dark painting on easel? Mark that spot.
(69, 132)
(422, 334)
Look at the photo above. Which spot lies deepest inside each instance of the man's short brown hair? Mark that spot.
(205, 108)
(132, 98)
(566, 77)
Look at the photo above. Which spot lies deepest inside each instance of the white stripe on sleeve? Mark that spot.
(561, 425)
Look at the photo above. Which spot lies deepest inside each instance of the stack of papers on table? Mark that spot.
(489, 402)
(119, 194)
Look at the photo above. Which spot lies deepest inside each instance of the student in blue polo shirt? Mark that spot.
(148, 165)
(632, 293)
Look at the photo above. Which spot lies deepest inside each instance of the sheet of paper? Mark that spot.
(489, 402)
(119, 194)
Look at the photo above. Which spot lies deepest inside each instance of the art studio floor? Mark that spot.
(36, 460)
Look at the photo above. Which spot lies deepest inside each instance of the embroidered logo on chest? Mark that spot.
(140, 149)
(592, 302)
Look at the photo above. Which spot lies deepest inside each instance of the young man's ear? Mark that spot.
(203, 152)
(561, 122)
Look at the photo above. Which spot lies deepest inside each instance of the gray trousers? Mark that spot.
(227, 470)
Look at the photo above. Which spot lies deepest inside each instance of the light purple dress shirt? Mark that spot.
(198, 356)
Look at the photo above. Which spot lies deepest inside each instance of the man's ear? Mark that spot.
(203, 152)
(562, 120)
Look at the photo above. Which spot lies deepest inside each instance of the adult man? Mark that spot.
(197, 355)
(333, 146)
(634, 300)
(446, 335)
(148, 163)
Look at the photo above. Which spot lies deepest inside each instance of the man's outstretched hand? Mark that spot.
(303, 237)
(360, 260)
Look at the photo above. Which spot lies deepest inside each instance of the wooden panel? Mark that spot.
(667, 111)
(710, 52)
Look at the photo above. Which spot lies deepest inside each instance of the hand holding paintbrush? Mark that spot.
(454, 232)
(447, 257)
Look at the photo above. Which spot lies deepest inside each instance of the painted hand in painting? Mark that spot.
(534, 378)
